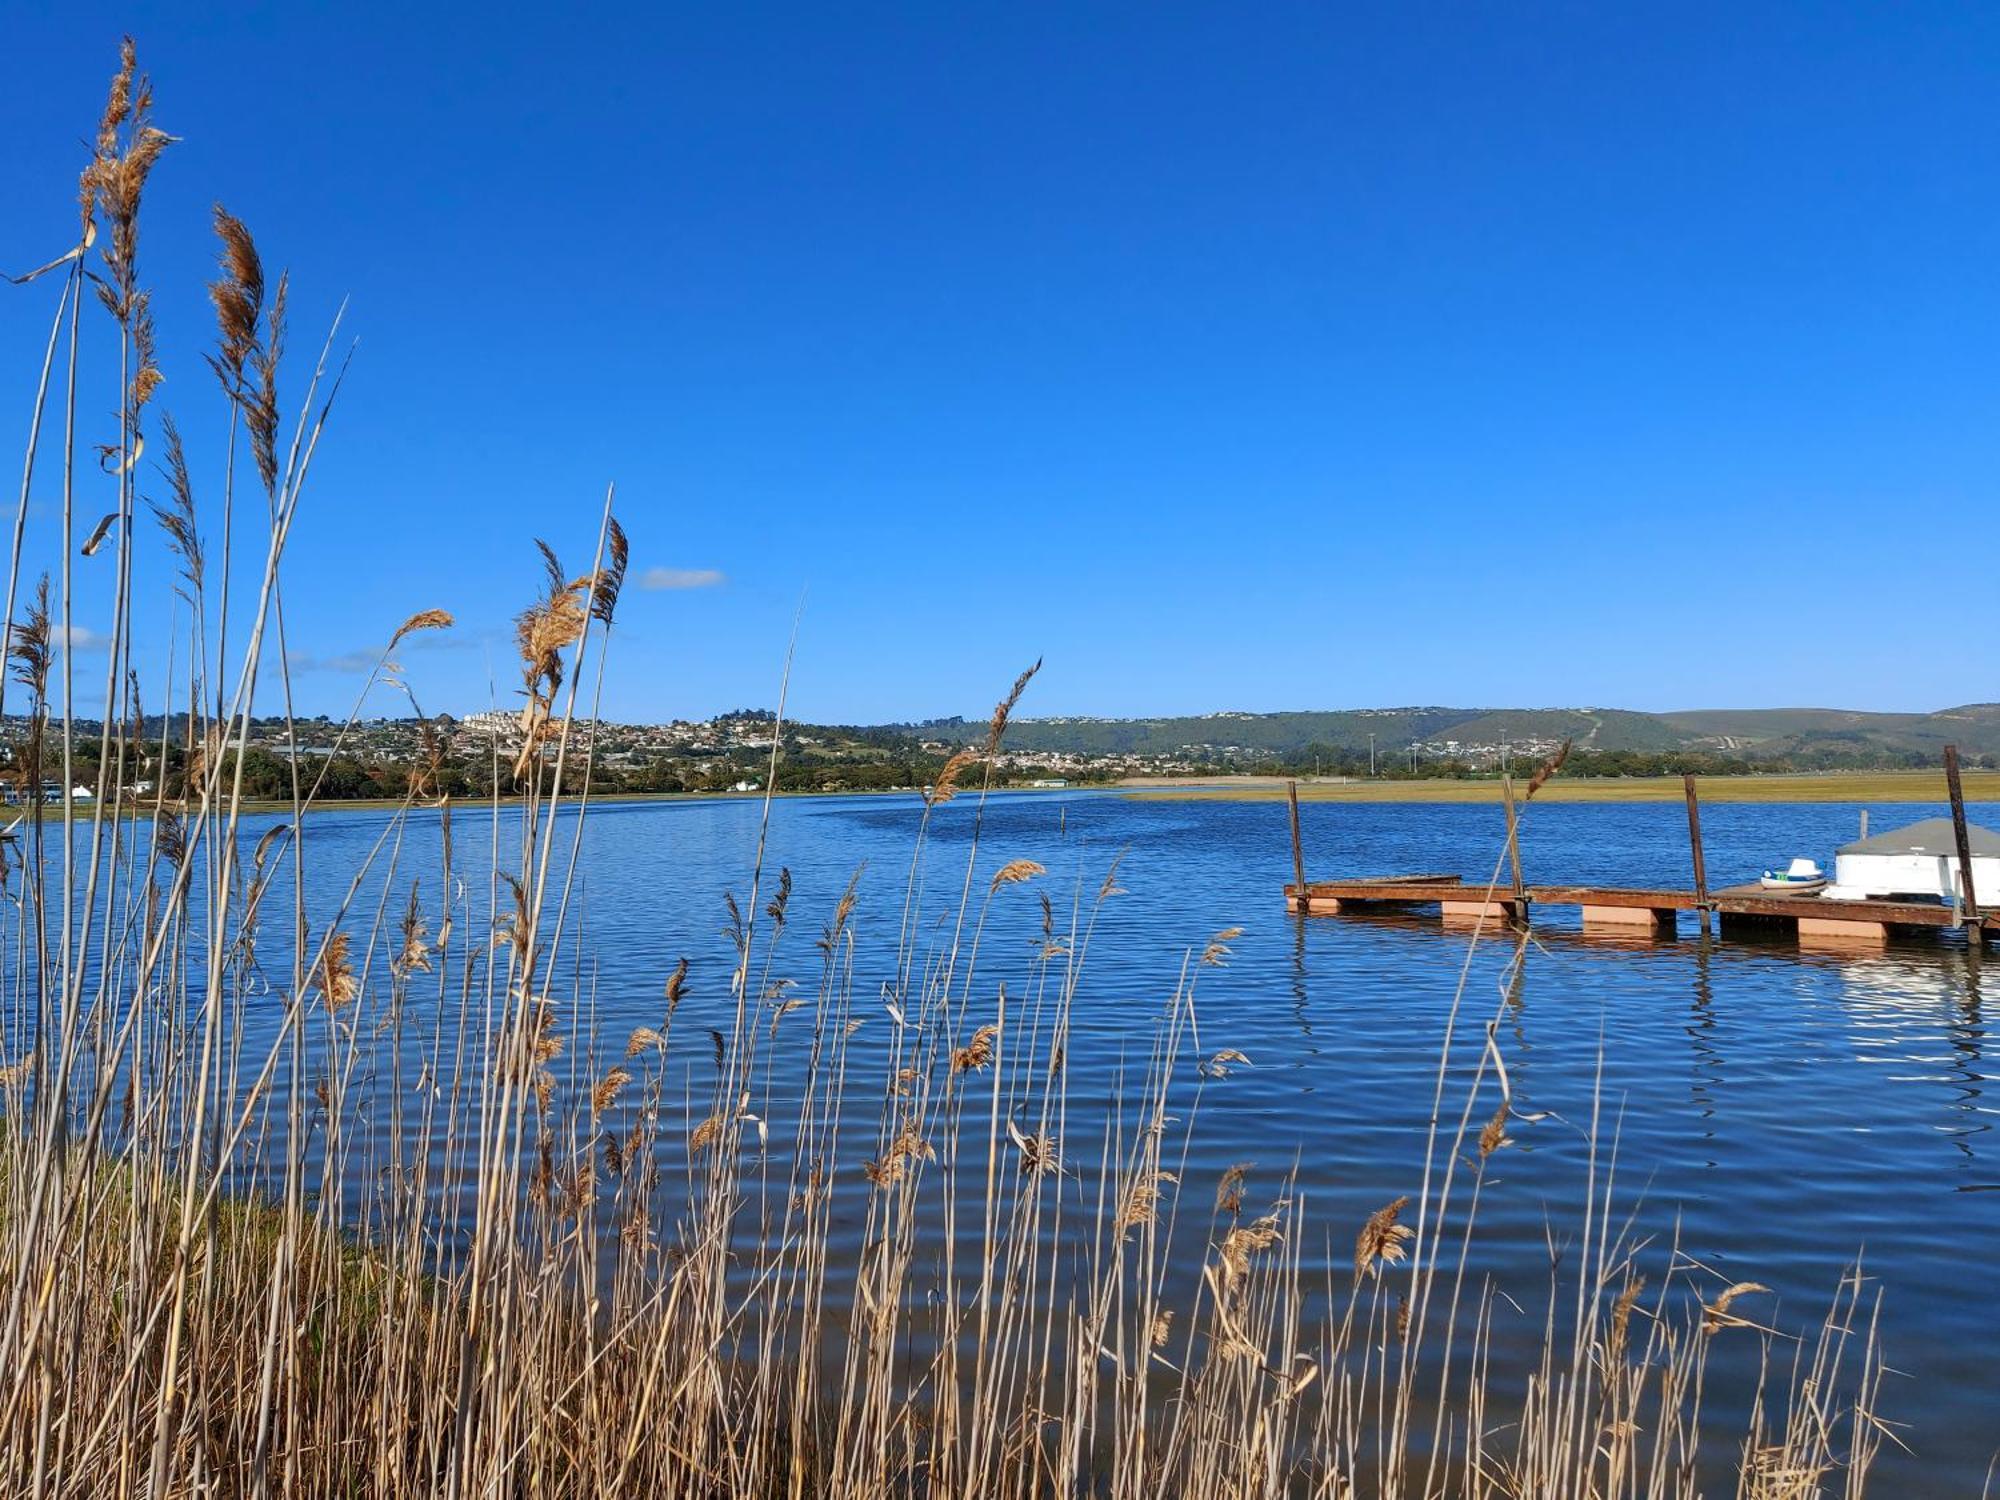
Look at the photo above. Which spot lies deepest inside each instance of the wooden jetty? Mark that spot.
(1615, 911)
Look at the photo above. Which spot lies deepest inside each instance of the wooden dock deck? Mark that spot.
(1631, 912)
(1644, 912)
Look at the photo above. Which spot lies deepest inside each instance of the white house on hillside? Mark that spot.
(1921, 860)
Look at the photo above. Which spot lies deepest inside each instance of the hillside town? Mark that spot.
(374, 758)
(473, 755)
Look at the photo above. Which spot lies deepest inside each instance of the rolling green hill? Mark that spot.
(1809, 735)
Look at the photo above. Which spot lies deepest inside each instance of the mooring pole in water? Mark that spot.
(1514, 848)
(1969, 912)
(1694, 843)
(1298, 849)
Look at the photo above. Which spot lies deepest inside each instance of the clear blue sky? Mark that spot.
(1231, 357)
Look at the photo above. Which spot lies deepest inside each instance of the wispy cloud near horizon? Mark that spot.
(682, 578)
(81, 639)
(353, 663)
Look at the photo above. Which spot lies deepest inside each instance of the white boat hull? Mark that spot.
(1781, 886)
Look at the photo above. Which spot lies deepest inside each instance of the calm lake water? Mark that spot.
(1789, 1111)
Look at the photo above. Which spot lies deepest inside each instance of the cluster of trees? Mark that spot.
(880, 760)
(804, 771)
(876, 762)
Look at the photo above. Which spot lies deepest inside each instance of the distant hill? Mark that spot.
(1767, 732)
(1757, 734)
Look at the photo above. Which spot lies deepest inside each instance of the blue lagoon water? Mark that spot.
(1783, 1112)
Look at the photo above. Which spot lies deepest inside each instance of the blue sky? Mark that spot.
(1229, 357)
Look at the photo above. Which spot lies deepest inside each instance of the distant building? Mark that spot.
(1920, 860)
(1049, 782)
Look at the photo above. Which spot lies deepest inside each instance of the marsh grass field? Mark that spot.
(1843, 786)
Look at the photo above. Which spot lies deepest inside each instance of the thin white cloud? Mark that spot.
(682, 578)
(81, 638)
(350, 662)
(457, 640)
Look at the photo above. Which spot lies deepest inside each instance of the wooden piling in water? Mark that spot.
(1969, 912)
(1514, 846)
(1298, 848)
(1694, 844)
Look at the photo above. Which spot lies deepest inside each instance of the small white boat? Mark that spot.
(1802, 877)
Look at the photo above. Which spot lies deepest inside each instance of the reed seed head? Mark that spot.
(1229, 1191)
(1004, 709)
(706, 1134)
(1217, 952)
(1381, 1241)
(1015, 872)
(946, 785)
(1716, 1315)
(1617, 1340)
(1547, 769)
(977, 1053)
(1142, 1200)
(333, 976)
(605, 1094)
(1242, 1242)
(423, 619)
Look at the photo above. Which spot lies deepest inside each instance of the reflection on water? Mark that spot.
(1786, 1111)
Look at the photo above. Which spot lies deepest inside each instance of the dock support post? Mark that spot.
(1700, 864)
(1514, 846)
(1969, 911)
(1298, 850)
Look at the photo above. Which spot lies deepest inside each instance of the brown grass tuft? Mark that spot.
(1142, 1200)
(1242, 1242)
(1217, 952)
(892, 1166)
(1547, 769)
(1004, 709)
(238, 296)
(415, 955)
(1015, 872)
(605, 1094)
(423, 619)
(977, 1053)
(333, 976)
(843, 911)
(704, 1135)
(1618, 1339)
(1716, 1315)
(610, 580)
(946, 785)
(1111, 887)
(1229, 1190)
(1382, 1239)
(1218, 1065)
(28, 646)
